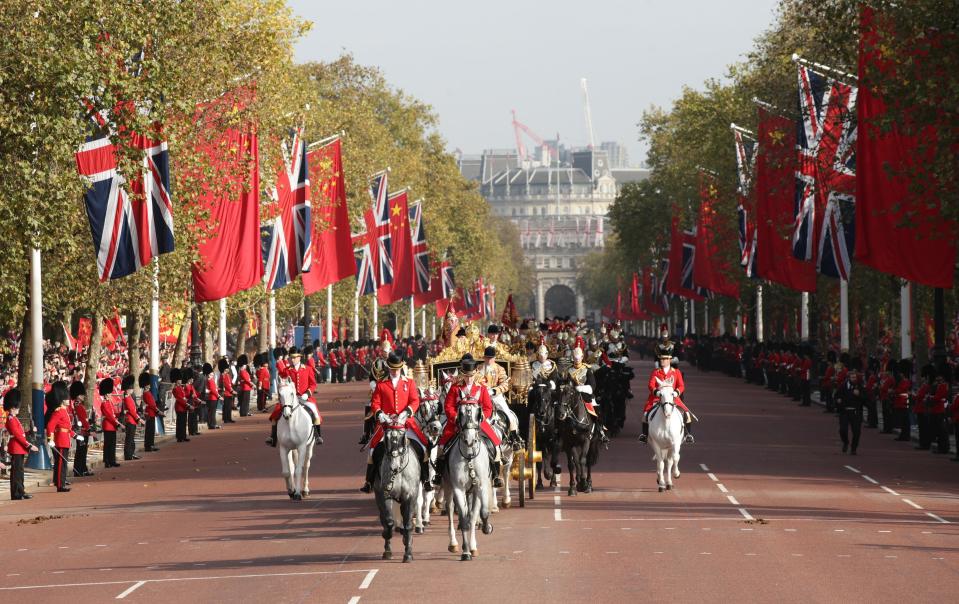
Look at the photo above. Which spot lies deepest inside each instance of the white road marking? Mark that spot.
(100, 546)
(885, 531)
(563, 552)
(703, 466)
(745, 529)
(23, 549)
(626, 528)
(64, 547)
(657, 552)
(557, 515)
(732, 500)
(58, 572)
(181, 579)
(873, 481)
(368, 578)
(888, 490)
(939, 518)
(839, 530)
(797, 555)
(354, 600)
(790, 530)
(705, 553)
(130, 590)
(892, 557)
(669, 528)
(612, 553)
(712, 477)
(852, 469)
(751, 554)
(557, 500)
(746, 515)
(844, 556)
(722, 487)
(13, 574)
(912, 503)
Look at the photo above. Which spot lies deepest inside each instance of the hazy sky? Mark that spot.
(475, 61)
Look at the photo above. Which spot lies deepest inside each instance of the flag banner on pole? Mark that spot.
(435, 292)
(364, 268)
(826, 173)
(510, 317)
(775, 197)
(289, 252)
(401, 248)
(71, 342)
(661, 293)
(84, 333)
(230, 254)
(333, 258)
(745, 171)
(900, 229)
(682, 254)
(378, 227)
(709, 268)
(421, 255)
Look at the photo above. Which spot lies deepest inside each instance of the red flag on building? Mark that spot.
(710, 269)
(775, 203)
(401, 252)
(899, 229)
(230, 258)
(333, 258)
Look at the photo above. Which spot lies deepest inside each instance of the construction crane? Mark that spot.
(518, 129)
(589, 115)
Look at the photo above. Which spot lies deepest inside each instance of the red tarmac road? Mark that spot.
(767, 510)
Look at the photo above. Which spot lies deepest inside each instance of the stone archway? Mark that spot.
(560, 301)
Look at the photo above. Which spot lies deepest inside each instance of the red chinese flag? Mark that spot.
(332, 246)
(84, 333)
(402, 252)
(775, 202)
(710, 270)
(436, 290)
(899, 229)
(230, 259)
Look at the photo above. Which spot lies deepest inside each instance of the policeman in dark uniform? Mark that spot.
(850, 399)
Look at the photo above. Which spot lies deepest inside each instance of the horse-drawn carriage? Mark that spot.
(442, 371)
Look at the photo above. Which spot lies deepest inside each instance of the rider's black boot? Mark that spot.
(516, 440)
(317, 434)
(425, 476)
(368, 485)
(440, 469)
(272, 440)
(645, 435)
(689, 433)
(497, 479)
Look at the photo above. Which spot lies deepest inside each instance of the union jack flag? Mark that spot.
(660, 295)
(379, 226)
(826, 177)
(421, 255)
(365, 276)
(448, 280)
(127, 233)
(286, 244)
(745, 168)
(689, 258)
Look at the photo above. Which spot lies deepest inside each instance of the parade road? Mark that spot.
(767, 510)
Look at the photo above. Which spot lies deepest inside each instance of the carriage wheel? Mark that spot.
(531, 448)
(522, 477)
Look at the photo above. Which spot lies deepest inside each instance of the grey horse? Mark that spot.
(294, 432)
(468, 482)
(398, 480)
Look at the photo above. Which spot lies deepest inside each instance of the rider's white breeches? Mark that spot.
(499, 401)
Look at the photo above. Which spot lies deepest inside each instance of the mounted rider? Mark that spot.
(395, 396)
(492, 375)
(667, 375)
(304, 382)
(379, 371)
(543, 368)
(581, 376)
(468, 391)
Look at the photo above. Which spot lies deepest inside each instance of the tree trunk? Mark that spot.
(93, 358)
(241, 335)
(133, 349)
(179, 353)
(24, 376)
(209, 346)
(264, 342)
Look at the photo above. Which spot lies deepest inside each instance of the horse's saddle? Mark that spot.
(486, 441)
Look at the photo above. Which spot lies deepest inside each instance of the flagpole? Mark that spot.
(804, 317)
(329, 314)
(844, 315)
(722, 320)
(692, 316)
(905, 319)
(39, 460)
(272, 319)
(155, 342)
(222, 327)
(423, 321)
(376, 319)
(759, 313)
(412, 318)
(706, 330)
(356, 315)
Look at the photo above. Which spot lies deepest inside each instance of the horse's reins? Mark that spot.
(472, 448)
(393, 453)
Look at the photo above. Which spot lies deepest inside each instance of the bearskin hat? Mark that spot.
(144, 380)
(105, 387)
(77, 389)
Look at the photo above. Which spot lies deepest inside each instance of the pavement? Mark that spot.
(767, 510)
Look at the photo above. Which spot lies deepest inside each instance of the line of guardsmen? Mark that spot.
(879, 392)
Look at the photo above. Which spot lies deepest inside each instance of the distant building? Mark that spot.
(560, 209)
(617, 153)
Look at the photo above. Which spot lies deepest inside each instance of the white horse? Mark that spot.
(294, 432)
(666, 436)
(468, 485)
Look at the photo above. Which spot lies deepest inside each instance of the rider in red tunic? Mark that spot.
(467, 391)
(394, 401)
(668, 375)
(304, 381)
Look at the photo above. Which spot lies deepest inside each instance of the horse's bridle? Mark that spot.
(395, 454)
(567, 414)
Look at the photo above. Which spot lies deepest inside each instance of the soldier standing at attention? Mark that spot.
(212, 397)
(194, 404)
(181, 405)
(228, 393)
(59, 432)
(151, 410)
(262, 382)
(130, 419)
(18, 446)
(109, 423)
(78, 395)
(245, 383)
(850, 398)
(900, 401)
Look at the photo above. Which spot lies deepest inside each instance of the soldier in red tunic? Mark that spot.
(181, 403)
(669, 375)
(395, 399)
(227, 391)
(131, 419)
(59, 432)
(467, 391)
(211, 395)
(109, 423)
(900, 401)
(244, 383)
(262, 381)
(304, 381)
(17, 446)
(151, 410)
(78, 395)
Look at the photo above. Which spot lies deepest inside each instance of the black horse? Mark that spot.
(578, 430)
(542, 402)
(614, 391)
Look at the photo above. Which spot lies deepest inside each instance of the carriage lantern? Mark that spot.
(421, 376)
(521, 378)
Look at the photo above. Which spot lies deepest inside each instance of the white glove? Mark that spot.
(381, 417)
(585, 389)
(552, 385)
(80, 439)
(402, 417)
(304, 397)
(372, 385)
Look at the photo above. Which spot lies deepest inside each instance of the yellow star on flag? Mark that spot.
(396, 210)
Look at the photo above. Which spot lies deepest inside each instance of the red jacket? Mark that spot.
(938, 403)
(226, 378)
(246, 384)
(181, 397)
(263, 377)
(458, 395)
(60, 428)
(18, 444)
(150, 403)
(393, 401)
(131, 418)
(80, 412)
(675, 377)
(954, 407)
(110, 422)
(212, 393)
(304, 380)
(901, 398)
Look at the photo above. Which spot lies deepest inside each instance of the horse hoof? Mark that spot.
(387, 555)
(669, 487)
(290, 493)
(677, 475)
(473, 552)
(488, 528)
(571, 492)
(465, 557)
(418, 530)
(453, 549)
(297, 497)
(407, 558)
(427, 523)
(306, 494)
(494, 510)
(589, 489)
(507, 504)
(661, 489)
